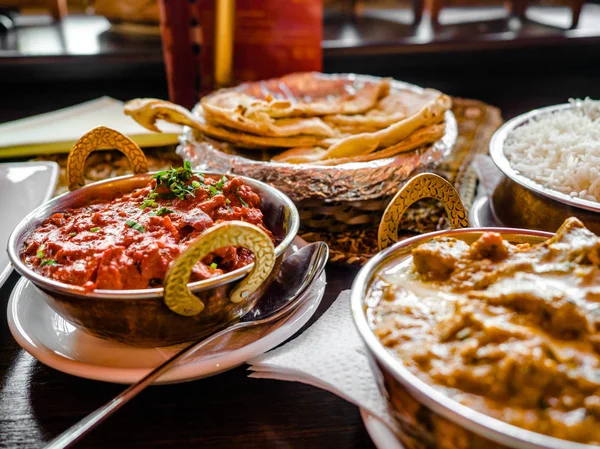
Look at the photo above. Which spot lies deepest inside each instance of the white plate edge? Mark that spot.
(178, 374)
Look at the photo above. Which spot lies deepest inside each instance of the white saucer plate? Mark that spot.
(57, 343)
(481, 214)
(23, 187)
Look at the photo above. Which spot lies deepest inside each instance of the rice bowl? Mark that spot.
(560, 149)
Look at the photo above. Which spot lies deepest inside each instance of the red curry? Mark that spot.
(130, 242)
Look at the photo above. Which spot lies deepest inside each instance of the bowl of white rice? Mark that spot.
(551, 159)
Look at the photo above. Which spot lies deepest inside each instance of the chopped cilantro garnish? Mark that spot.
(213, 266)
(162, 211)
(50, 262)
(227, 201)
(196, 184)
(148, 202)
(242, 200)
(219, 185)
(175, 179)
(96, 229)
(136, 226)
(40, 253)
(72, 234)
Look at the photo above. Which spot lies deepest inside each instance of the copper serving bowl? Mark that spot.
(425, 417)
(144, 317)
(523, 203)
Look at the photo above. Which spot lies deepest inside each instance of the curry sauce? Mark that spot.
(512, 331)
(130, 241)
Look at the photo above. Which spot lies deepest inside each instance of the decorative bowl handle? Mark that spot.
(231, 233)
(426, 185)
(102, 137)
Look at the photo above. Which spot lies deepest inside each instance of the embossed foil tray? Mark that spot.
(345, 182)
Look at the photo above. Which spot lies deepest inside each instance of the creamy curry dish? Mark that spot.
(129, 242)
(511, 330)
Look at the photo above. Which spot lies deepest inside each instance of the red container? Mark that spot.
(269, 41)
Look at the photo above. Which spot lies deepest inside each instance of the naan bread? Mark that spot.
(420, 138)
(360, 144)
(261, 124)
(311, 117)
(147, 110)
(392, 108)
(298, 95)
(317, 156)
(259, 142)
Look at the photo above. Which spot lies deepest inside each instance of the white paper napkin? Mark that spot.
(329, 355)
(69, 124)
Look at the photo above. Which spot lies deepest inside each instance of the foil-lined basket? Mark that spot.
(333, 198)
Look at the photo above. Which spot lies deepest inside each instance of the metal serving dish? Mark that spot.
(521, 202)
(353, 181)
(142, 317)
(425, 417)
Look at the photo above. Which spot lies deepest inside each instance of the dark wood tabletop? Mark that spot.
(231, 410)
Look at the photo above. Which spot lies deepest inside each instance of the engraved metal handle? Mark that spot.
(102, 137)
(426, 185)
(232, 233)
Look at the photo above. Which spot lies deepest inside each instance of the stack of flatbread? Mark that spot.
(312, 118)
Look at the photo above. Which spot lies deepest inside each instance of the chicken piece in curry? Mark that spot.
(511, 330)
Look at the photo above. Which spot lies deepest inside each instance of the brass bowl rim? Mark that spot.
(39, 214)
(477, 422)
(501, 161)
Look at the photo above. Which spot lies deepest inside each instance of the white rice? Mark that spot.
(560, 150)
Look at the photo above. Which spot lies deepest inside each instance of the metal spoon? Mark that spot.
(285, 294)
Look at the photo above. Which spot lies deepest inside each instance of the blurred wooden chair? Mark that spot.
(57, 8)
(515, 8)
(130, 11)
(350, 7)
(263, 40)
